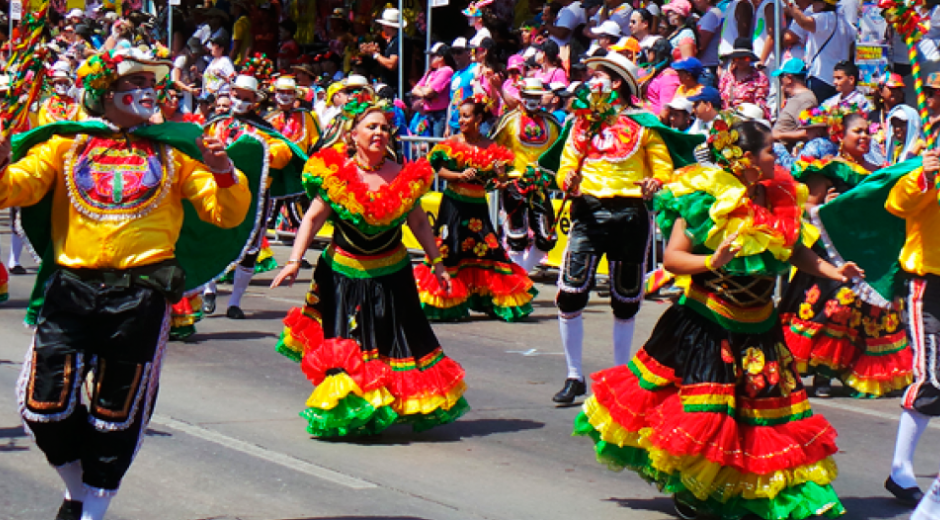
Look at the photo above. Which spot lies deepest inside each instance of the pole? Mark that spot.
(427, 57)
(10, 33)
(169, 26)
(401, 49)
(778, 52)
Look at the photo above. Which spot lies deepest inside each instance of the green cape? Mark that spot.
(204, 250)
(857, 227)
(681, 145)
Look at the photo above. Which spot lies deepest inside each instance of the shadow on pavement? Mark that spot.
(403, 435)
(12, 432)
(875, 507)
(659, 504)
(200, 337)
(358, 518)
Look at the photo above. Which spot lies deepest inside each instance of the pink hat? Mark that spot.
(516, 61)
(681, 7)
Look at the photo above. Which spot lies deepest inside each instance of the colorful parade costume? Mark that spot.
(483, 279)
(57, 108)
(361, 337)
(711, 409)
(832, 331)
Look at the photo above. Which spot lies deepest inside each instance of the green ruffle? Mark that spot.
(266, 265)
(455, 313)
(313, 186)
(282, 349)
(353, 415)
(181, 333)
(836, 170)
(485, 304)
(426, 421)
(796, 502)
(694, 209)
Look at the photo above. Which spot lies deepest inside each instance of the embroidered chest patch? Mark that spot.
(290, 125)
(533, 131)
(613, 143)
(111, 180)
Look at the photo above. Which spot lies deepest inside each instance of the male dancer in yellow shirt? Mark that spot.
(116, 216)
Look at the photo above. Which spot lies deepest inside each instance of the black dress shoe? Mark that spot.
(235, 313)
(69, 510)
(573, 388)
(17, 269)
(908, 496)
(822, 386)
(208, 303)
(684, 511)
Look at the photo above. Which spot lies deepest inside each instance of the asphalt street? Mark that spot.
(226, 441)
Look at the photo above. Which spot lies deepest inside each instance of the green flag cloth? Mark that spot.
(858, 228)
(204, 250)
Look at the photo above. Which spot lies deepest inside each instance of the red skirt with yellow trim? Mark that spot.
(184, 315)
(834, 333)
(364, 343)
(717, 418)
(4, 281)
(483, 278)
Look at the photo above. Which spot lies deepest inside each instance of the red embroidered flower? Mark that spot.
(481, 249)
(726, 354)
(492, 241)
(475, 225)
(467, 244)
(812, 295)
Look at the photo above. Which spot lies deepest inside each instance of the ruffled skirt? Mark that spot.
(4, 281)
(483, 279)
(834, 333)
(372, 356)
(719, 419)
(184, 315)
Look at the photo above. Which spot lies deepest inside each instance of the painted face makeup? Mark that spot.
(141, 102)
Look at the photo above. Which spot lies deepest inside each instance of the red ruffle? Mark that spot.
(716, 436)
(439, 379)
(183, 307)
(884, 368)
(486, 281)
(427, 283)
(4, 275)
(836, 353)
(344, 354)
(304, 330)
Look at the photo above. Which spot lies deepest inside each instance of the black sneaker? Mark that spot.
(208, 303)
(69, 510)
(822, 386)
(908, 496)
(17, 269)
(235, 313)
(683, 510)
(573, 388)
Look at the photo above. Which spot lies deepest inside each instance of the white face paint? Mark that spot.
(600, 85)
(285, 99)
(532, 104)
(240, 106)
(61, 89)
(134, 102)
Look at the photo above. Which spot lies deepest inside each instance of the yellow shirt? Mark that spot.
(302, 127)
(229, 130)
(102, 220)
(921, 213)
(527, 137)
(241, 34)
(615, 158)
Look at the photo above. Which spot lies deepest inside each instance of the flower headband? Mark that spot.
(258, 66)
(723, 144)
(364, 101)
(832, 118)
(480, 98)
(99, 72)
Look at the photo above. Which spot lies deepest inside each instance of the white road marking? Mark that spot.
(534, 352)
(863, 411)
(295, 301)
(275, 457)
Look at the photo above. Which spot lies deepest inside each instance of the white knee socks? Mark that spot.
(517, 257)
(94, 507)
(240, 285)
(533, 258)
(210, 288)
(572, 338)
(929, 507)
(910, 428)
(71, 474)
(623, 340)
(16, 248)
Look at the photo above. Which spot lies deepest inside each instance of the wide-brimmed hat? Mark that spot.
(743, 48)
(338, 12)
(609, 28)
(285, 83)
(355, 81)
(532, 87)
(303, 65)
(391, 17)
(249, 83)
(620, 65)
(60, 70)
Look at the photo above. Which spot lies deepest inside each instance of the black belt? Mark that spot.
(167, 277)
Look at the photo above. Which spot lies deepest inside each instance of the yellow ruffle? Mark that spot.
(337, 387)
(703, 477)
(878, 388)
(730, 194)
(264, 254)
(427, 404)
(439, 302)
(512, 300)
(288, 342)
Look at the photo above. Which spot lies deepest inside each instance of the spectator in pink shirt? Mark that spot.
(509, 94)
(549, 59)
(432, 93)
(662, 81)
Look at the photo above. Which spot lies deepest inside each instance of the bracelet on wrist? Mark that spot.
(295, 261)
(708, 263)
(438, 260)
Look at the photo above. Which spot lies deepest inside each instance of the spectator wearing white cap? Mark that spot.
(461, 83)
(607, 34)
(75, 16)
(679, 114)
(388, 59)
(617, 11)
(432, 92)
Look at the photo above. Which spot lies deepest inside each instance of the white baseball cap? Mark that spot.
(680, 103)
(459, 43)
(608, 28)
